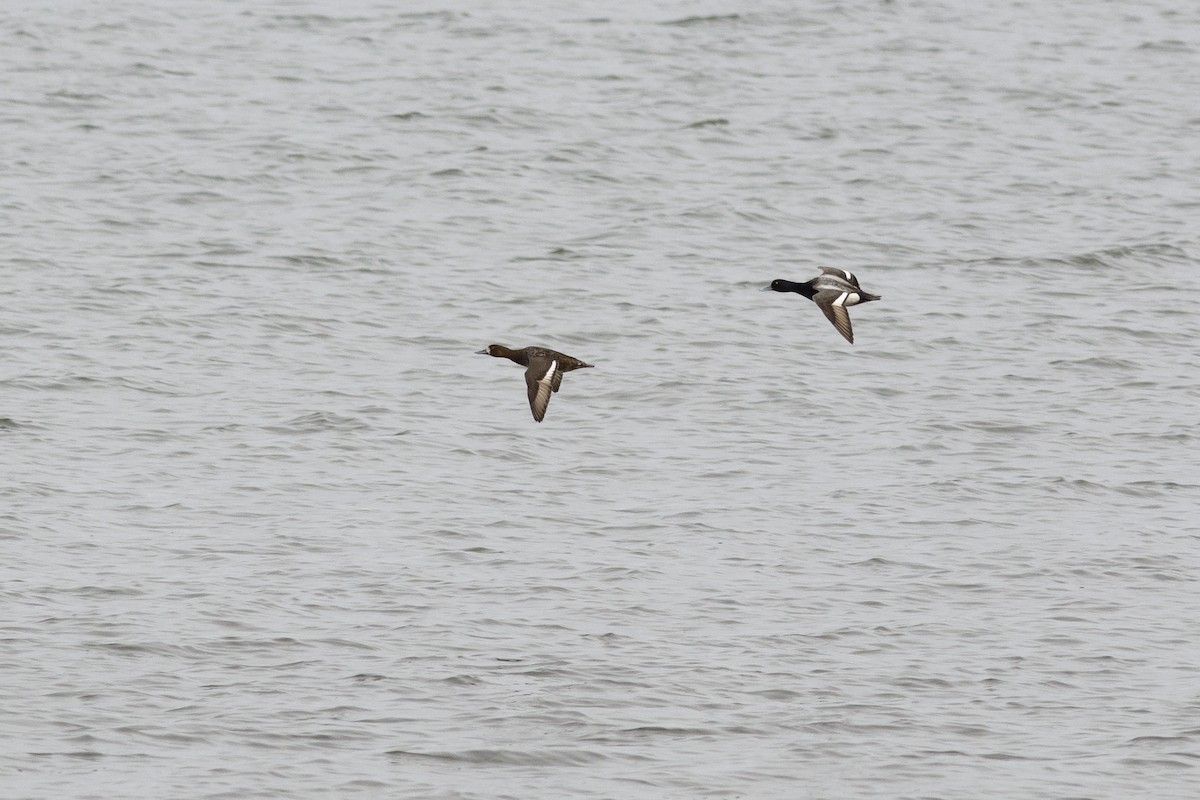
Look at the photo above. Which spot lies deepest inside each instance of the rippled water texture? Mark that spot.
(270, 529)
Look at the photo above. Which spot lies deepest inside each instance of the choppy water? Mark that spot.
(269, 529)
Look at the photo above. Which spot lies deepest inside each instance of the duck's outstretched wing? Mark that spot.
(830, 303)
(541, 387)
(844, 274)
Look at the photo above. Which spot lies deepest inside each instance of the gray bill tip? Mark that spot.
(482, 352)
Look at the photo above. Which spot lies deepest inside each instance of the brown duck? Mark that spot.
(543, 371)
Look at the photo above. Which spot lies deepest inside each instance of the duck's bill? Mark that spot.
(765, 289)
(482, 352)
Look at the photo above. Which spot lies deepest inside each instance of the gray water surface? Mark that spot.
(270, 529)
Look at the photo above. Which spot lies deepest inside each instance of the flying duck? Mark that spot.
(544, 370)
(834, 291)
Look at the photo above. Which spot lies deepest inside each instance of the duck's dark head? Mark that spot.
(781, 285)
(497, 350)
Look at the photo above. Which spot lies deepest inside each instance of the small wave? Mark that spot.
(318, 422)
(77, 97)
(1156, 762)
(709, 19)
(313, 21)
(556, 254)
(560, 758)
(1101, 362)
(663, 730)
(1167, 46)
(1119, 256)
(86, 755)
(310, 260)
(1158, 740)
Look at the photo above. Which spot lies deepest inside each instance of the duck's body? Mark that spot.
(834, 290)
(544, 369)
